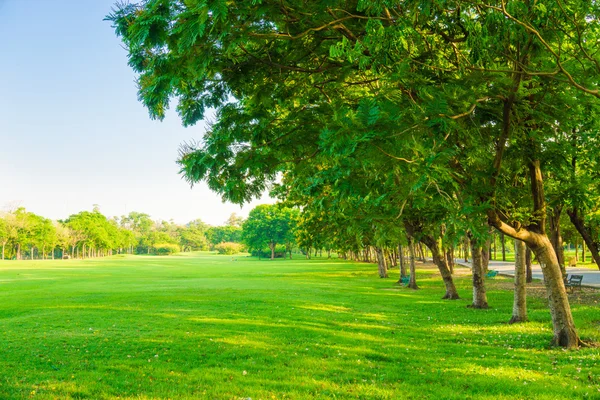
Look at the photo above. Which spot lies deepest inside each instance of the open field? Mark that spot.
(204, 326)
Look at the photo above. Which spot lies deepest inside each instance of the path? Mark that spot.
(590, 277)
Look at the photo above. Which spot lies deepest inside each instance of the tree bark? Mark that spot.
(401, 260)
(586, 234)
(440, 261)
(381, 263)
(485, 255)
(272, 247)
(479, 294)
(412, 280)
(520, 295)
(421, 253)
(556, 238)
(535, 237)
(503, 246)
(528, 266)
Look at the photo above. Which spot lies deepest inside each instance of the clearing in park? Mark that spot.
(198, 326)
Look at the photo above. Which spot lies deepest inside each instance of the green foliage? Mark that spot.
(228, 248)
(269, 225)
(220, 234)
(165, 249)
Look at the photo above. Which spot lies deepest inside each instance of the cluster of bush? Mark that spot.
(165, 249)
(229, 248)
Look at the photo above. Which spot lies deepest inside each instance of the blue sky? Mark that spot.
(72, 133)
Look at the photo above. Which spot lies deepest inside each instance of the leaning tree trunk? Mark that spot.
(585, 232)
(565, 334)
(520, 298)
(381, 263)
(412, 280)
(440, 261)
(479, 295)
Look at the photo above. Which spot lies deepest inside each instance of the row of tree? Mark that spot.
(390, 121)
(25, 235)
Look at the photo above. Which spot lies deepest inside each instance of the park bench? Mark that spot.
(491, 274)
(573, 281)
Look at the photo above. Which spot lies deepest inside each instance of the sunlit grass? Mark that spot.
(203, 326)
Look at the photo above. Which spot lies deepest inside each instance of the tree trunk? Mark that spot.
(528, 266)
(466, 247)
(535, 237)
(586, 233)
(421, 253)
(31, 256)
(520, 298)
(381, 263)
(485, 255)
(583, 252)
(450, 259)
(412, 280)
(503, 246)
(440, 261)
(3, 247)
(272, 247)
(401, 260)
(564, 327)
(556, 238)
(479, 295)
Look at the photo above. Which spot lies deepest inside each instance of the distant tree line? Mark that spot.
(87, 234)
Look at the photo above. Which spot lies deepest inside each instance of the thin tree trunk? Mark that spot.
(401, 260)
(586, 234)
(479, 294)
(485, 254)
(503, 246)
(440, 261)
(412, 280)
(381, 263)
(528, 266)
(450, 259)
(556, 239)
(272, 246)
(520, 295)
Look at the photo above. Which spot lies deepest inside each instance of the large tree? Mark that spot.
(461, 79)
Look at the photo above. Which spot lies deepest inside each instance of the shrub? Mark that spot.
(164, 249)
(228, 248)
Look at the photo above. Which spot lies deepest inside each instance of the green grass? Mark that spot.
(206, 327)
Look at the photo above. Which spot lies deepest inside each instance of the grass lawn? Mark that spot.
(206, 327)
